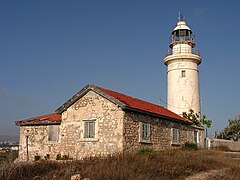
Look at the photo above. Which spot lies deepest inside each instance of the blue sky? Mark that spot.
(50, 49)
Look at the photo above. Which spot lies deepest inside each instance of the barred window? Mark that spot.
(89, 129)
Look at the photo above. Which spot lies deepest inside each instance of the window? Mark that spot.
(183, 73)
(89, 129)
(144, 131)
(53, 133)
(196, 137)
(175, 135)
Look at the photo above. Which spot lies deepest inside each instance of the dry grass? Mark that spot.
(221, 148)
(167, 164)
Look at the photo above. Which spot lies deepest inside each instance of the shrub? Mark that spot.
(72, 169)
(145, 151)
(47, 157)
(65, 157)
(31, 170)
(37, 157)
(190, 146)
(58, 157)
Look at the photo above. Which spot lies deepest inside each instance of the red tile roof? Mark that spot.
(49, 118)
(125, 101)
(143, 105)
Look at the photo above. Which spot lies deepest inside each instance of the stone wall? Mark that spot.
(160, 132)
(223, 144)
(115, 131)
(33, 141)
(108, 137)
(109, 127)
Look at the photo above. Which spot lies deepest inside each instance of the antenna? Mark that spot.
(180, 17)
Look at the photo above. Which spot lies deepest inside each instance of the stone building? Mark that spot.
(97, 121)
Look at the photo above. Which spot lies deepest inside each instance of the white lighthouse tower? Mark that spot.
(182, 62)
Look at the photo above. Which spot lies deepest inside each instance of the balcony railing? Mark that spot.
(183, 50)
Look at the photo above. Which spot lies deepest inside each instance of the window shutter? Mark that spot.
(89, 129)
(53, 133)
(175, 135)
(50, 133)
(85, 129)
(146, 131)
(142, 131)
(196, 137)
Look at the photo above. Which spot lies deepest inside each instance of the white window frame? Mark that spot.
(53, 137)
(175, 135)
(144, 132)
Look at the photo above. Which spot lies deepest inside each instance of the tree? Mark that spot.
(197, 120)
(232, 130)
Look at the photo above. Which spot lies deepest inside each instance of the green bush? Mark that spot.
(58, 157)
(47, 157)
(37, 157)
(145, 151)
(65, 157)
(190, 146)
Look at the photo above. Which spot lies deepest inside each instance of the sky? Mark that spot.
(50, 49)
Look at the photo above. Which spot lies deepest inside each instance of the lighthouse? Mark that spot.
(182, 63)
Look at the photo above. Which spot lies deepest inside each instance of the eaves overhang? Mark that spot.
(37, 123)
(158, 116)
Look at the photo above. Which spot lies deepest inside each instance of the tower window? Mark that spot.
(183, 73)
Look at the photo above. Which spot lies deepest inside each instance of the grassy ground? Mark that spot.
(167, 164)
(6, 159)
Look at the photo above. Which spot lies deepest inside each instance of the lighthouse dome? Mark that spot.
(181, 25)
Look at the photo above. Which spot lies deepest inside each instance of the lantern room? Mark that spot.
(182, 34)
